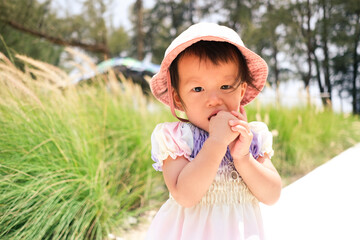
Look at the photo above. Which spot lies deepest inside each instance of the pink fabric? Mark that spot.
(227, 211)
(170, 139)
(207, 222)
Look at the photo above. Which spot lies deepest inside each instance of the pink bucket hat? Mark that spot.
(207, 32)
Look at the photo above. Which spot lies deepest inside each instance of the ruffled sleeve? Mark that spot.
(262, 140)
(170, 139)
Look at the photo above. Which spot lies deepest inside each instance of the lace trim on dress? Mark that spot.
(227, 188)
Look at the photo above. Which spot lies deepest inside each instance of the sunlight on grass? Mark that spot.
(75, 160)
(306, 137)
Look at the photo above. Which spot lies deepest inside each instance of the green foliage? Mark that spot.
(306, 137)
(75, 160)
(32, 14)
(165, 21)
(54, 20)
(118, 41)
(25, 44)
(74, 163)
(302, 40)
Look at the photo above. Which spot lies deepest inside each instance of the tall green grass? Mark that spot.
(306, 137)
(75, 160)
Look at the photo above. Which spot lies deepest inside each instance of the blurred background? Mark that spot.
(76, 113)
(311, 46)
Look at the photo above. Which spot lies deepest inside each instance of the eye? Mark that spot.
(225, 87)
(197, 89)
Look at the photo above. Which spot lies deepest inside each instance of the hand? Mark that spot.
(240, 146)
(219, 128)
(240, 115)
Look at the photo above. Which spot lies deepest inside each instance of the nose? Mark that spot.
(214, 99)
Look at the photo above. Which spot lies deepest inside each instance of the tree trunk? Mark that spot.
(276, 73)
(191, 12)
(326, 52)
(356, 108)
(308, 98)
(139, 29)
(309, 50)
(323, 95)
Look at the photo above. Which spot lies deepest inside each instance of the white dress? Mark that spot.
(228, 210)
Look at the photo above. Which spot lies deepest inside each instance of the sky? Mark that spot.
(121, 16)
(118, 14)
(122, 13)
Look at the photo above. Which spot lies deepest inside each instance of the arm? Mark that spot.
(189, 181)
(262, 178)
(259, 175)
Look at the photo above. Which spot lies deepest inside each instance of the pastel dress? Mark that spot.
(228, 210)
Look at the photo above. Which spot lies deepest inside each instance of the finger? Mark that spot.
(243, 133)
(242, 111)
(233, 123)
(236, 114)
(241, 129)
(239, 115)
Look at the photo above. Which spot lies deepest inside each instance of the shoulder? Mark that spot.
(256, 126)
(172, 126)
(172, 130)
(262, 139)
(171, 139)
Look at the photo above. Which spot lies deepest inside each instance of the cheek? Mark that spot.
(235, 101)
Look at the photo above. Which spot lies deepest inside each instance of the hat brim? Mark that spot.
(257, 68)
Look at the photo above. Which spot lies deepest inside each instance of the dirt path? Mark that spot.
(138, 232)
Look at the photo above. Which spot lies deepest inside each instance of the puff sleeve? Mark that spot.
(262, 140)
(170, 139)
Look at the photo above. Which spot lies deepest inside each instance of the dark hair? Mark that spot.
(216, 52)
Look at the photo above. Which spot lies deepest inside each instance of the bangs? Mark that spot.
(216, 52)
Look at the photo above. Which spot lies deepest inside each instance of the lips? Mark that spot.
(213, 114)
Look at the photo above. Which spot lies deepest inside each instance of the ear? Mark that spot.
(243, 88)
(177, 100)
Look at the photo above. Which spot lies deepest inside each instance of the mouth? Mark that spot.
(213, 114)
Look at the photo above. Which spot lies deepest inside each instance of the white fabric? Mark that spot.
(264, 135)
(227, 211)
(173, 139)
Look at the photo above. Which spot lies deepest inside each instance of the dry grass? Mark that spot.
(74, 159)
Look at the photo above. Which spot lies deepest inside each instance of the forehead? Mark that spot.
(215, 56)
(215, 51)
(192, 67)
(198, 61)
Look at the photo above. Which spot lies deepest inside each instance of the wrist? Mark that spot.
(242, 162)
(243, 158)
(217, 142)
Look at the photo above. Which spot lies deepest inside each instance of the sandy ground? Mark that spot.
(324, 204)
(139, 230)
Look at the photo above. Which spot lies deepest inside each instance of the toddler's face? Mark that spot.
(206, 88)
